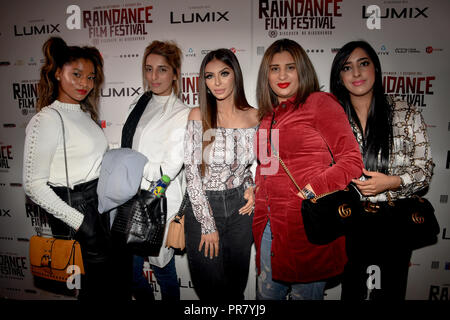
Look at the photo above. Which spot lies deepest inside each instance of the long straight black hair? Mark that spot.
(378, 135)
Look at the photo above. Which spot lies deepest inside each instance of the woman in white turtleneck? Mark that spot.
(70, 82)
(159, 136)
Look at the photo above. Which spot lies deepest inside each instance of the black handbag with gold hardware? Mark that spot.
(410, 221)
(329, 216)
(326, 217)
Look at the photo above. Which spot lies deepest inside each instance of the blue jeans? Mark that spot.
(168, 280)
(142, 289)
(166, 277)
(268, 289)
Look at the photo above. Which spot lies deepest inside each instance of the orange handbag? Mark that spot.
(50, 258)
(175, 235)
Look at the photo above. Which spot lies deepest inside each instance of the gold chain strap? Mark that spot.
(313, 200)
(288, 172)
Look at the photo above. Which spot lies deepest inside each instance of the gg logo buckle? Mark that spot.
(344, 211)
(371, 207)
(417, 219)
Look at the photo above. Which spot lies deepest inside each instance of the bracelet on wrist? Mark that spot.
(308, 194)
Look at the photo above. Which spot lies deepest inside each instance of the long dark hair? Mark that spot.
(305, 70)
(208, 102)
(378, 135)
(57, 53)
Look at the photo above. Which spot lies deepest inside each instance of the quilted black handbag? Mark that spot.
(409, 221)
(141, 222)
(329, 216)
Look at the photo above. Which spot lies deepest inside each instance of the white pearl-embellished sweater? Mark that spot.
(43, 163)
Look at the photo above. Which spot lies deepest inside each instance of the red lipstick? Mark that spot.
(81, 91)
(283, 85)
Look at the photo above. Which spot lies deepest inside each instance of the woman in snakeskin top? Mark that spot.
(218, 157)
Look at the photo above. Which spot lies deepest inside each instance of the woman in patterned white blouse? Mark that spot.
(397, 157)
(218, 157)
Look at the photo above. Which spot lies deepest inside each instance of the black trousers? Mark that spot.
(99, 281)
(223, 277)
(373, 245)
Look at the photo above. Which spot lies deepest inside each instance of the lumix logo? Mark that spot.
(393, 13)
(120, 92)
(211, 16)
(373, 14)
(35, 30)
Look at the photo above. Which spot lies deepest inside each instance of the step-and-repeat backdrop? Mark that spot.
(410, 36)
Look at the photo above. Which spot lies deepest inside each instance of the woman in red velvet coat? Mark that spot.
(306, 126)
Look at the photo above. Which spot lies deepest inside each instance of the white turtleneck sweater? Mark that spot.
(43, 163)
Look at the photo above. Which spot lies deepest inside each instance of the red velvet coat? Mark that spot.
(304, 134)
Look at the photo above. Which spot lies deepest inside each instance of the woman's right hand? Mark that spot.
(211, 242)
(378, 183)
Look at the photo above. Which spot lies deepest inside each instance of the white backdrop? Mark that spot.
(412, 41)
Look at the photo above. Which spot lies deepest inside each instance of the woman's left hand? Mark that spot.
(249, 195)
(378, 182)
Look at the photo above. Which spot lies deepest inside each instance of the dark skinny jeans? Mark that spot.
(223, 277)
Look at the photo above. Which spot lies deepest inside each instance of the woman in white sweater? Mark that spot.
(156, 129)
(70, 83)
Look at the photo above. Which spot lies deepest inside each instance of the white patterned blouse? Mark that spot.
(228, 162)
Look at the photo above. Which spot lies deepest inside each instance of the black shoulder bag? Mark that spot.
(325, 217)
(141, 221)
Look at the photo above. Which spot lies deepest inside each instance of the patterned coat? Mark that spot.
(410, 156)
